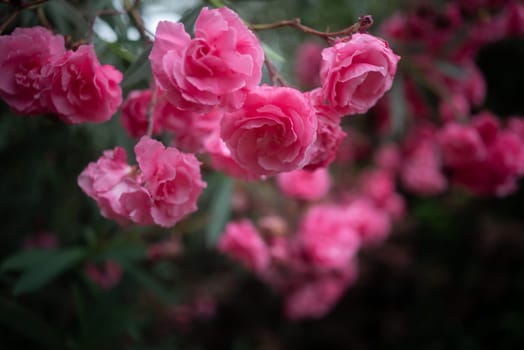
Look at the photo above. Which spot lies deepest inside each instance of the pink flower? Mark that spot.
(327, 237)
(81, 90)
(41, 240)
(217, 67)
(190, 129)
(23, 55)
(371, 223)
(388, 157)
(106, 275)
(329, 133)
(421, 172)
(172, 178)
(273, 132)
(356, 73)
(241, 241)
(109, 181)
(134, 115)
(221, 159)
(304, 184)
(315, 297)
(307, 64)
(460, 145)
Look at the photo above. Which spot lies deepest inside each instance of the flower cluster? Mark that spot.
(313, 266)
(162, 190)
(209, 98)
(40, 76)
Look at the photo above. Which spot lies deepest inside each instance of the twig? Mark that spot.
(134, 16)
(274, 75)
(8, 21)
(363, 24)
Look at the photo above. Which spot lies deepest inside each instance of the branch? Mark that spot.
(363, 24)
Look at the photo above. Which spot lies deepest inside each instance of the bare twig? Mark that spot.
(150, 112)
(363, 24)
(274, 75)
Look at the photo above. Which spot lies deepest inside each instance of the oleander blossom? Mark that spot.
(81, 89)
(162, 190)
(216, 68)
(109, 181)
(328, 239)
(172, 178)
(356, 73)
(134, 114)
(304, 184)
(242, 242)
(329, 133)
(23, 55)
(273, 131)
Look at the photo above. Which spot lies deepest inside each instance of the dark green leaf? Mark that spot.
(139, 71)
(26, 259)
(220, 209)
(43, 273)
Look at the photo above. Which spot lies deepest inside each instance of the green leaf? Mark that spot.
(220, 209)
(38, 275)
(123, 253)
(26, 259)
(272, 54)
(398, 108)
(138, 71)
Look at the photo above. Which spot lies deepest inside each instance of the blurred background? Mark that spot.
(449, 276)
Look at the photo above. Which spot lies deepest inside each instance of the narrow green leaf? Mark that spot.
(272, 54)
(26, 259)
(220, 209)
(398, 108)
(138, 70)
(43, 273)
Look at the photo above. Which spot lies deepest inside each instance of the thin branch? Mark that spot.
(274, 75)
(8, 21)
(363, 24)
(134, 16)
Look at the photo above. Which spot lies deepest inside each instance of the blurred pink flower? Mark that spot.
(242, 242)
(304, 184)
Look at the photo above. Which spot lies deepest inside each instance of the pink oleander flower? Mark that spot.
(388, 157)
(460, 145)
(106, 275)
(378, 185)
(273, 131)
(221, 159)
(134, 115)
(242, 242)
(498, 173)
(23, 55)
(371, 223)
(172, 178)
(81, 90)
(356, 73)
(327, 238)
(315, 297)
(329, 133)
(305, 184)
(217, 67)
(421, 172)
(307, 64)
(190, 129)
(487, 125)
(110, 182)
(41, 240)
